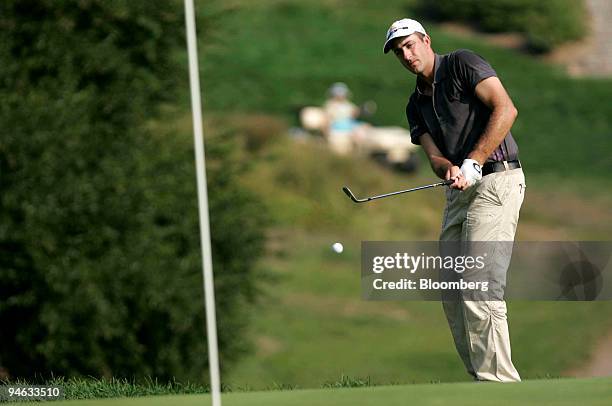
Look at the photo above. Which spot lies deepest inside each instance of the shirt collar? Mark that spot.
(439, 74)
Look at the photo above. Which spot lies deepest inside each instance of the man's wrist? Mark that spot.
(478, 157)
(441, 167)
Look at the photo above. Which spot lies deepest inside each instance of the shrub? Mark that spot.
(99, 244)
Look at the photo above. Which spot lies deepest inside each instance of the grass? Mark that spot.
(311, 326)
(588, 392)
(92, 388)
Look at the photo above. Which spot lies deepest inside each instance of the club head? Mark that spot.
(350, 194)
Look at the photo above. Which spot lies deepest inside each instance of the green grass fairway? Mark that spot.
(594, 391)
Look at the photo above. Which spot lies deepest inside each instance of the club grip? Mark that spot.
(448, 182)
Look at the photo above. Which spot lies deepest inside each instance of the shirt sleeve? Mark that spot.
(471, 68)
(415, 121)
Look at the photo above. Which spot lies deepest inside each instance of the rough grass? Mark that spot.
(93, 388)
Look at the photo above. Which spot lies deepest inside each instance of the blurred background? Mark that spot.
(99, 248)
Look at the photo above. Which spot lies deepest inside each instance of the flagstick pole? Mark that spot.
(207, 270)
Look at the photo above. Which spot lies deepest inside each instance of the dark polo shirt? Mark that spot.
(455, 117)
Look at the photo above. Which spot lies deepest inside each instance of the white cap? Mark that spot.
(402, 28)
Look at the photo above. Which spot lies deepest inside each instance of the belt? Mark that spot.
(491, 167)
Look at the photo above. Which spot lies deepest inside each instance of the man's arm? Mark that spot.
(503, 113)
(440, 165)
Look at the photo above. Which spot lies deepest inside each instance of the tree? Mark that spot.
(99, 249)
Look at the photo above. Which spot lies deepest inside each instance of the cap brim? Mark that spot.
(399, 33)
(387, 46)
(389, 42)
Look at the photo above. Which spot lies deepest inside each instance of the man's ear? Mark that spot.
(427, 40)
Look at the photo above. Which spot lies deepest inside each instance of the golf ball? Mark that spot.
(337, 247)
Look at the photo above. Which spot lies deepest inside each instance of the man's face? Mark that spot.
(413, 52)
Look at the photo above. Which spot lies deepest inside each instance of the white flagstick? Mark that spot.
(209, 293)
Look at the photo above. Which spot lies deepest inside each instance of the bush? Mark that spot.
(99, 246)
(546, 24)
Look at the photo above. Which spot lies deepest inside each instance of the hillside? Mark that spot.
(311, 326)
(562, 122)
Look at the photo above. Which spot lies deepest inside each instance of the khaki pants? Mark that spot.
(488, 211)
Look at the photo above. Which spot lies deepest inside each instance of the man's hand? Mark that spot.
(454, 172)
(472, 172)
(445, 169)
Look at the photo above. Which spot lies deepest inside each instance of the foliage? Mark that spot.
(99, 242)
(546, 24)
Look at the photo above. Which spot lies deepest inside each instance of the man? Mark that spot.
(344, 130)
(461, 115)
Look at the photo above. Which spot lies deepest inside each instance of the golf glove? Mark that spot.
(472, 171)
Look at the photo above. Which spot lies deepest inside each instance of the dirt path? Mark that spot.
(591, 56)
(600, 363)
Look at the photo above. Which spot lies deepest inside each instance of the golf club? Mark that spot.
(350, 194)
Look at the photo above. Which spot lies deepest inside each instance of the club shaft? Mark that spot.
(399, 192)
(367, 199)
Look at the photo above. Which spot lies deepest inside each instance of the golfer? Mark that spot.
(461, 115)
